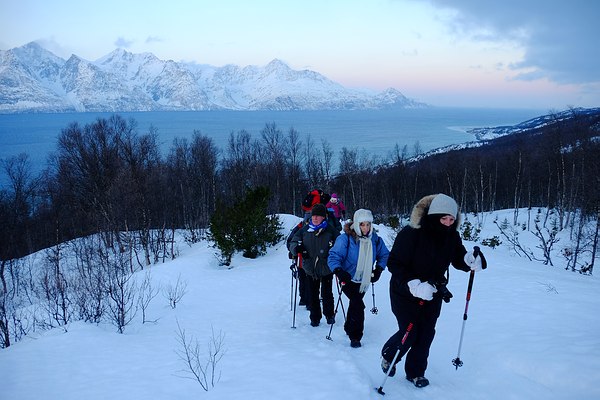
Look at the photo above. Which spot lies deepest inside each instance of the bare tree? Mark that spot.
(55, 289)
(349, 168)
(121, 290)
(274, 163)
(327, 160)
(313, 164)
(512, 236)
(17, 204)
(90, 295)
(294, 160)
(548, 238)
(201, 368)
(147, 292)
(174, 293)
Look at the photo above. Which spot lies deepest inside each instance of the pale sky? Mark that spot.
(540, 54)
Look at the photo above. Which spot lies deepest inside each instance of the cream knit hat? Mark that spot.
(444, 205)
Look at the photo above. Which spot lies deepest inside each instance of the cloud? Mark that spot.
(153, 39)
(121, 42)
(52, 45)
(559, 38)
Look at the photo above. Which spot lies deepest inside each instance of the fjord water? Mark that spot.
(375, 131)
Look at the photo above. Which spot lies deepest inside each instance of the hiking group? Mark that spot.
(356, 256)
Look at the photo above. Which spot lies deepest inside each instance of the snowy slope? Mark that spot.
(532, 333)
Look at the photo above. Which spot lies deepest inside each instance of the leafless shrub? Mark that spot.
(512, 237)
(174, 293)
(202, 369)
(147, 293)
(549, 287)
(55, 290)
(120, 288)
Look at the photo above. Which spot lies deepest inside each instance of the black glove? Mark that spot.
(475, 261)
(483, 260)
(343, 276)
(300, 249)
(376, 274)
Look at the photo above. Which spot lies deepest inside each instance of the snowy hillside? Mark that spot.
(532, 333)
(488, 133)
(32, 79)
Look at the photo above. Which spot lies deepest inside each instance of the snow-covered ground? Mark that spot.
(533, 332)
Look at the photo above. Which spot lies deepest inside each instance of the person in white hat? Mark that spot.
(419, 262)
(352, 258)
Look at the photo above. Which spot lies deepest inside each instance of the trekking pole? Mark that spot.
(408, 329)
(296, 293)
(457, 362)
(340, 293)
(328, 337)
(294, 276)
(374, 310)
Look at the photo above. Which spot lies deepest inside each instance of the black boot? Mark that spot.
(419, 382)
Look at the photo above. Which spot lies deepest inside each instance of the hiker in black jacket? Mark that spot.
(313, 241)
(419, 262)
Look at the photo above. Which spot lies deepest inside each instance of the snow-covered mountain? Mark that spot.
(33, 79)
(534, 123)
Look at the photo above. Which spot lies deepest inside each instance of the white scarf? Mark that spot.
(364, 265)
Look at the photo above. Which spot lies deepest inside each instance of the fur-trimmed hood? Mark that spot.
(349, 230)
(420, 210)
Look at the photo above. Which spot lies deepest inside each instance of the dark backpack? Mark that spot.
(313, 197)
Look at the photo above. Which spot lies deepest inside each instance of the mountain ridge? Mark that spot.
(33, 79)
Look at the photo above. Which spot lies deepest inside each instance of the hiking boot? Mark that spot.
(355, 343)
(330, 320)
(314, 323)
(419, 382)
(385, 366)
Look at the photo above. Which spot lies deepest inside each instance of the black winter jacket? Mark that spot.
(317, 243)
(421, 251)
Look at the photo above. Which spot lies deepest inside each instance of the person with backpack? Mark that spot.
(419, 262)
(351, 259)
(318, 196)
(313, 241)
(315, 196)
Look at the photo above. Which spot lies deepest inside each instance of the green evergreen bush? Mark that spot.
(245, 226)
(470, 232)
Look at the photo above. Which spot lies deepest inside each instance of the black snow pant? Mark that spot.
(355, 319)
(324, 285)
(303, 288)
(418, 341)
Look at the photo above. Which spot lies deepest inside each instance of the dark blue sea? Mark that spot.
(375, 131)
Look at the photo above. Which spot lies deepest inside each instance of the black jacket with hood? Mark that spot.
(424, 250)
(317, 243)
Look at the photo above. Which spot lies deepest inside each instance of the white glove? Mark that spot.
(422, 290)
(473, 262)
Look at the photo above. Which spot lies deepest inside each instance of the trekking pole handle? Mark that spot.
(476, 252)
